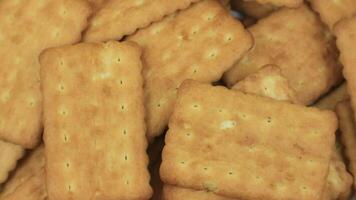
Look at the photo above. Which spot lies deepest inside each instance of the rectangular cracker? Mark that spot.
(345, 32)
(9, 155)
(297, 42)
(199, 43)
(94, 122)
(330, 100)
(26, 28)
(177, 193)
(230, 143)
(268, 82)
(348, 134)
(332, 11)
(28, 180)
(118, 18)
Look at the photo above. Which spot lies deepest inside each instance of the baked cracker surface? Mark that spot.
(117, 18)
(230, 143)
(26, 28)
(296, 41)
(199, 43)
(94, 122)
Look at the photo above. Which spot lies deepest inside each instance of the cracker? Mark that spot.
(332, 11)
(94, 122)
(339, 181)
(28, 180)
(268, 82)
(297, 42)
(27, 28)
(253, 8)
(177, 193)
(199, 43)
(348, 134)
(230, 143)
(118, 18)
(330, 100)
(9, 154)
(345, 32)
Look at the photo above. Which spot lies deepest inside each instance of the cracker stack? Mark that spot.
(177, 100)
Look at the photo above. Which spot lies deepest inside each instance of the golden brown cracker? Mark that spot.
(118, 18)
(9, 155)
(28, 180)
(94, 122)
(345, 32)
(268, 82)
(230, 143)
(297, 42)
(26, 28)
(329, 101)
(264, 83)
(253, 8)
(199, 43)
(332, 11)
(339, 181)
(177, 193)
(348, 134)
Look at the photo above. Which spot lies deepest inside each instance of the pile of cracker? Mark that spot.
(177, 99)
